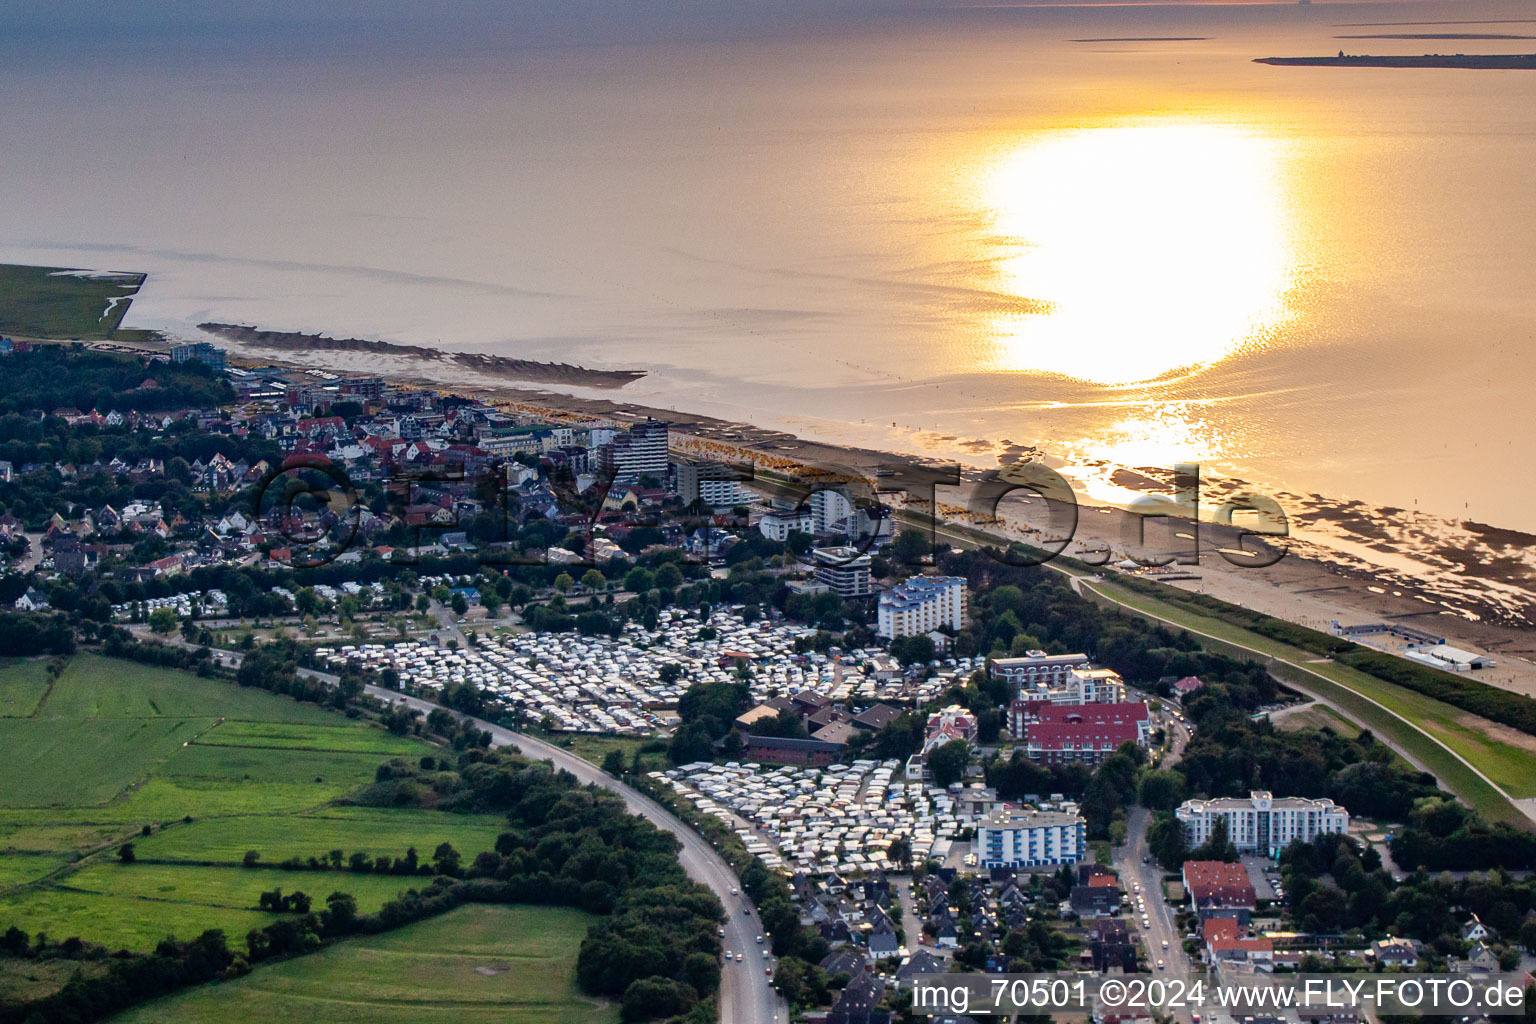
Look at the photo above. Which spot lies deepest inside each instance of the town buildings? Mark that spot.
(921, 604)
(713, 484)
(831, 512)
(199, 352)
(1218, 889)
(1262, 823)
(640, 451)
(1086, 733)
(1037, 670)
(844, 570)
(778, 523)
(1030, 838)
(1078, 685)
(947, 725)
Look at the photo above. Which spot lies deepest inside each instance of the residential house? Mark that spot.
(1394, 952)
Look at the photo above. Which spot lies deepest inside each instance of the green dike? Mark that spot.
(1352, 692)
(474, 965)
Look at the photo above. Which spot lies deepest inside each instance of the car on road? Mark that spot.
(769, 971)
(1165, 943)
(727, 954)
(759, 940)
(735, 893)
(742, 956)
(1159, 965)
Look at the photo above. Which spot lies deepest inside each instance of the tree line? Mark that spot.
(655, 949)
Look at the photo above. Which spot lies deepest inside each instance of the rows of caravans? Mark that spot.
(211, 602)
(823, 820)
(601, 684)
(613, 684)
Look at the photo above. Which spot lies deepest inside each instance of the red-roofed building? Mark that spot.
(949, 724)
(1061, 733)
(1220, 928)
(1227, 939)
(1218, 889)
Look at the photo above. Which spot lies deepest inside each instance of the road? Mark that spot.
(746, 994)
(1129, 861)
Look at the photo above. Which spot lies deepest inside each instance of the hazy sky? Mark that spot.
(492, 21)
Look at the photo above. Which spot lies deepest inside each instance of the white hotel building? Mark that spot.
(1037, 670)
(921, 605)
(1030, 839)
(1260, 823)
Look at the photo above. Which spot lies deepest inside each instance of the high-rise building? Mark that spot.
(921, 605)
(367, 388)
(1028, 839)
(1260, 823)
(831, 512)
(844, 570)
(199, 352)
(639, 451)
(712, 483)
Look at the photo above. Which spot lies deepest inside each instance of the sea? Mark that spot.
(1098, 230)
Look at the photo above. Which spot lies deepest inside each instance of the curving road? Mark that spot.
(746, 996)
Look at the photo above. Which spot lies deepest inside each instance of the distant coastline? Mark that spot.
(504, 367)
(1436, 35)
(1142, 39)
(1472, 61)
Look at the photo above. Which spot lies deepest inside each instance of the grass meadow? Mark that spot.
(23, 682)
(475, 965)
(194, 772)
(46, 302)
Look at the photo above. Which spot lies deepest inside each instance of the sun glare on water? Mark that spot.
(1153, 247)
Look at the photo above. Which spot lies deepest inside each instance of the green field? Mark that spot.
(475, 965)
(87, 761)
(22, 685)
(114, 746)
(18, 867)
(314, 834)
(308, 737)
(134, 906)
(1409, 718)
(52, 302)
(95, 687)
(593, 748)
(36, 979)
